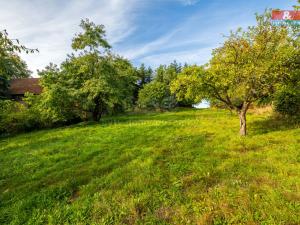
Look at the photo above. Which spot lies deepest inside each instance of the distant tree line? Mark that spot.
(260, 65)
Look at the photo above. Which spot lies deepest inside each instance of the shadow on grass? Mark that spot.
(274, 123)
(131, 117)
(172, 115)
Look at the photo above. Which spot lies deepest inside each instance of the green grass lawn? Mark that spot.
(184, 167)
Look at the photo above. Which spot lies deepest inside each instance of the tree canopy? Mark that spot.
(93, 82)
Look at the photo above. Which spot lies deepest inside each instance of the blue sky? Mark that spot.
(145, 31)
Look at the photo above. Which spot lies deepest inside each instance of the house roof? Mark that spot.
(22, 85)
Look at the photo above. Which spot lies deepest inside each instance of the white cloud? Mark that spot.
(50, 25)
(198, 56)
(189, 2)
(143, 49)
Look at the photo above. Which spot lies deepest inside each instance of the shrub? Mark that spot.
(287, 102)
(156, 95)
(16, 118)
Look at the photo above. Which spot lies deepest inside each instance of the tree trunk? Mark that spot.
(97, 112)
(96, 115)
(243, 123)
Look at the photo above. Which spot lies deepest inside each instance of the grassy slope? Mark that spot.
(186, 167)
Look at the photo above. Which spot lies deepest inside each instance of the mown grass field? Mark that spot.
(183, 167)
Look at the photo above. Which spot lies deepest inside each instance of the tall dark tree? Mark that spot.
(144, 76)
